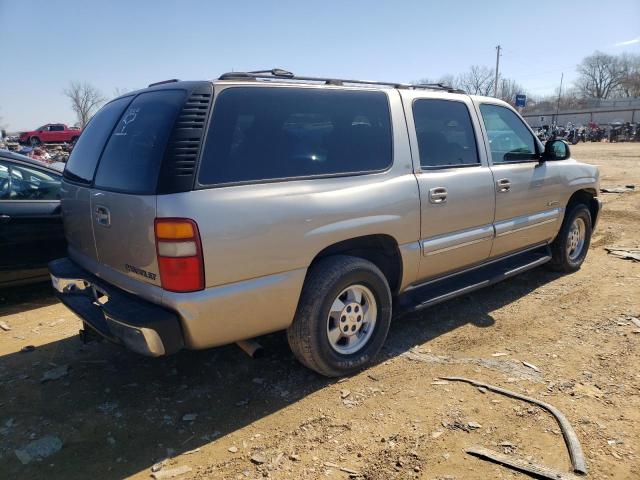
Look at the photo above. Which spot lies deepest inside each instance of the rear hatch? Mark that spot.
(133, 149)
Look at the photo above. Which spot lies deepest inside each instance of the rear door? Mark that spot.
(123, 199)
(30, 223)
(527, 192)
(456, 185)
(78, 180)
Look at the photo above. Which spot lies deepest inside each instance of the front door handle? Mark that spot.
(4, 218)
(438, 195)
(503, 185)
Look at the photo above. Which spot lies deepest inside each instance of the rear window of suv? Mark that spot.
(86, 153)
(131, 160)
(263, 133)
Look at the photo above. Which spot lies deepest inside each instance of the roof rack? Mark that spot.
(280, 74)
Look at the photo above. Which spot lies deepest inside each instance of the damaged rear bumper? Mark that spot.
(139, 325)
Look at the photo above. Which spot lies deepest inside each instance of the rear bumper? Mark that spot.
(139, 325)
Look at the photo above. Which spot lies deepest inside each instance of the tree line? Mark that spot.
(600, 76)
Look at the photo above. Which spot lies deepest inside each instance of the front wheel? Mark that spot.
(34, 141)
(570, 247)
(343, 316)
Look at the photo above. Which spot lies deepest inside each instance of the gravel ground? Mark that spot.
(105, 413)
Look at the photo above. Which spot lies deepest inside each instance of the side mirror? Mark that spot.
(555, 150)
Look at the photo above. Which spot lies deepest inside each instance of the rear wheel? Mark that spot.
(343, 316)
(570, 247)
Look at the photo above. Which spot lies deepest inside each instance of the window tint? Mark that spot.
(509, 138)
(269, 133)
(84, 157)
(56, 128)
(32, 184)
(131, 160)
(5, 185)
(445, 133)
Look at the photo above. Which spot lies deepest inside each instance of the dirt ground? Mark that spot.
(224, 415)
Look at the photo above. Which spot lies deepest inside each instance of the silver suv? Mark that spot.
(203, 213)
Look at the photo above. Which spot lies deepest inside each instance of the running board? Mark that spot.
(452, 286)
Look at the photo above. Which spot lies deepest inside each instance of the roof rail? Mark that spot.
(278, 73)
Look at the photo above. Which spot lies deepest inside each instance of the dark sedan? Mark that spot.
(30, 224)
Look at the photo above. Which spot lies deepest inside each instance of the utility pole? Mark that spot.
(495, 86)
(559, 93)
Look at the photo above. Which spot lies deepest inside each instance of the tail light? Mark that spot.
(179, 254)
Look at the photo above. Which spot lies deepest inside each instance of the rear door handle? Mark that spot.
(438, 195)
(503, 185)
(4, 218)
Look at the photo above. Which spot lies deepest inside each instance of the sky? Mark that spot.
(119, 44)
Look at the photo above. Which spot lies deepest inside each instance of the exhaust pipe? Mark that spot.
(251, 348)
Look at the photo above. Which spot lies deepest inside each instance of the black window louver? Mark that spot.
(182, 151)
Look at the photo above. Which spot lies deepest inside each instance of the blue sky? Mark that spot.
(129, 44)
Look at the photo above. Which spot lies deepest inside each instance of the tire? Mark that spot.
(34, 141)
(569, 251)
(316, 335)
(74, 140)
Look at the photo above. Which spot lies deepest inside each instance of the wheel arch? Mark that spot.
(587, 196)
(380, 249)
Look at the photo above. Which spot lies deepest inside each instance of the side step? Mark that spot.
(436, 291)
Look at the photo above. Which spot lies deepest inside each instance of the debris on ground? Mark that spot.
(56, 373)
(626, 253)
(521, 465)
(571, 439)
(4, 326)
(42, 448)
(258, 459)
(531, 366)
(171, 472)
(625, 189)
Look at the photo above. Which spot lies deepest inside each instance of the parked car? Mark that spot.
(51, 133)
(203, 213)
(31, 233)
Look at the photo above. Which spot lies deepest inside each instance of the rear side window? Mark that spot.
(279, 133)
(509, 138)
(83, 159)
(445, 134)
(131, 160)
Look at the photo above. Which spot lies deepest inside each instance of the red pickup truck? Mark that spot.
(51, 133)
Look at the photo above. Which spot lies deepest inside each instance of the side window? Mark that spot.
(56, 128)
(5, 184)
(445, 134)
(263, 133)
(32, 184)
(509, 138)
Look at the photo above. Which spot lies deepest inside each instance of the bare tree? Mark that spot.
(508, 89)
(85, 100)
(478, 80)
(600, 75)
(447, 80)
(630, 85)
